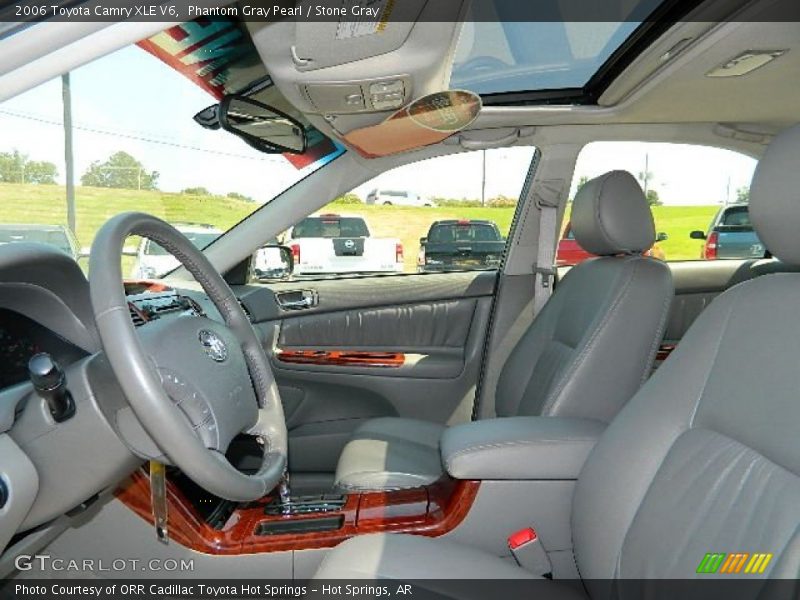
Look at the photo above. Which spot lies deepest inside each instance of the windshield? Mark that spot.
(330, 227)
(126, 123)
(200, 240)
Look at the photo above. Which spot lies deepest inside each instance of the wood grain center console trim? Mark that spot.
(430, 511)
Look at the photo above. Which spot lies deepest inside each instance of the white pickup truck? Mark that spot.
(333, 243)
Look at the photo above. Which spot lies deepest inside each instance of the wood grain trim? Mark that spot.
(342, 358)
(431, 511)
(664, 351)
(140, 286)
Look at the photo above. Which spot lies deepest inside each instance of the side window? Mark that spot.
(450, 213)
(698, 195)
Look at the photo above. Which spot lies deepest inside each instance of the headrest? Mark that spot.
(775, 197)
(610, 216)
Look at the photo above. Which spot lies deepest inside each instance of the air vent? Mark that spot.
(136, 316)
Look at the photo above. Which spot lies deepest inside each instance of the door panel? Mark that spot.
(443, 323)
(408, 346)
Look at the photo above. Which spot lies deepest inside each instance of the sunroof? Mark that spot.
(505, 56)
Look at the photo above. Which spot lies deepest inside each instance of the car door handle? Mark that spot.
(297, 299)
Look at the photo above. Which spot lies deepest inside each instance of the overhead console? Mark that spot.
(351, 71)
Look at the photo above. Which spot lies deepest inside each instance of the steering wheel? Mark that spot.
(193, 383)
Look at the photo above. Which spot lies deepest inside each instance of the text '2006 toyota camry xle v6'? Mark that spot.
(252, 379)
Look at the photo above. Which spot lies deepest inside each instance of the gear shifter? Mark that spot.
(285, 493)
(50, 382)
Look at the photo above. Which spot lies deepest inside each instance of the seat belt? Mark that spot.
(546, 199)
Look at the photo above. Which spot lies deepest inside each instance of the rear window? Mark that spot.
(330, 227)
(51, 238)
(463, 232)
(736, 217)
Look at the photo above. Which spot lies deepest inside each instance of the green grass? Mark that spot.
(677, 222)
(46, 204)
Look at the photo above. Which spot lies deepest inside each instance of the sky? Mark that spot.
(131, 101)
(113, 110)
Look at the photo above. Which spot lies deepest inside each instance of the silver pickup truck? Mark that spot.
(730, 235)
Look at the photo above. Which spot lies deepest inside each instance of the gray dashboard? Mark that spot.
(49, 468)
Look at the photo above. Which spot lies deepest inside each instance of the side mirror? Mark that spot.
(273, 263)
(661, 237)
(423, 241)
(697, 235)
(265, 128)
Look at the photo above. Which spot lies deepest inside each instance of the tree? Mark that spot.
(242, 197)
(347, 199)
(645, 177)
(120, 170)
(743, 194)
(196, 191)
(40, 171)
(652, 198)
(581, 182)
(15, 167)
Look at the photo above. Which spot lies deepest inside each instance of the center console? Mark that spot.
(323, 521)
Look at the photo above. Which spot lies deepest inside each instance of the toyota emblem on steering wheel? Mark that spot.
(214, 346)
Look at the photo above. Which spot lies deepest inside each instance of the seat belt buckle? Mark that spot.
(529, 553)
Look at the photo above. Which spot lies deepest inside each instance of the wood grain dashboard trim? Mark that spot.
(431, 511)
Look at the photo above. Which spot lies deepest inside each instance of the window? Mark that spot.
(450, 213)
(330, 226)
(136, 146)
(698, 195)
(495, 57)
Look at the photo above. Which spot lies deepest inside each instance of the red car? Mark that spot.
(570, 252)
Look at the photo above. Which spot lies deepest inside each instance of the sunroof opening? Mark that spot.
(497, 56)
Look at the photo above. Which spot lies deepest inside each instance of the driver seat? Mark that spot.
(704, 458)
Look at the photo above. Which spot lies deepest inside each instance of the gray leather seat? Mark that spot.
(704, 458)
(587, 352)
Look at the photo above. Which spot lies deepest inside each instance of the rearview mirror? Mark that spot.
(273, 263)
(423, 241)
(662, 237)
(697, 235)
(265, 128)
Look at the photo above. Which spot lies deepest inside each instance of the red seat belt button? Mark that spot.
(529, 552)
(523, 536)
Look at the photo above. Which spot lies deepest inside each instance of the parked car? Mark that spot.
(154, 261)
(460, 244)
(730, 235)
(333, 243)
(569, 252)
(398, 197)
(58, 236)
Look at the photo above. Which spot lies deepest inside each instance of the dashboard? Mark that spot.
(21, 338)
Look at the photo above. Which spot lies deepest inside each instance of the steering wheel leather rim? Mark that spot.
(141, 383)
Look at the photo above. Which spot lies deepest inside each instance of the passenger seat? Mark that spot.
(585, 354)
